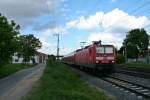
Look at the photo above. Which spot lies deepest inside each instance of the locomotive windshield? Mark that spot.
(102, 50)
(108, 49)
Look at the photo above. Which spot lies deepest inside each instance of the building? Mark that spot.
(38, 58)
(41, 57)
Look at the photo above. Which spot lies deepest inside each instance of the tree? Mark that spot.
(120, 58)
(136, 43)
(121, 50)
(8, 39)
(132, 51)
(28, 46)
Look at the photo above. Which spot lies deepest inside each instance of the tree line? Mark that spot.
(11, 41)
(135, 44)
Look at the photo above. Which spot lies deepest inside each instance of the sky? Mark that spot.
(77, 21)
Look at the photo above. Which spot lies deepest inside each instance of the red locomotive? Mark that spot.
(95, 57)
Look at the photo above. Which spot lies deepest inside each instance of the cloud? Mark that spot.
(64, 51)
(106, 38)
(89, 23)
(71, 24)
(112, 25)
(113, 21)
(51, 31)
(25, 12)
(58, 30)
(48, 48)
(44, 36)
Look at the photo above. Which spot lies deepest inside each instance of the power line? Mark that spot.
(135, 10)
(143, 5)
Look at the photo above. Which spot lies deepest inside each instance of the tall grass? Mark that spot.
(60, 83)
(12, 68)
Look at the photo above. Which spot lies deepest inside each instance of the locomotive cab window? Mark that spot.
(100, 50)
(108, 49)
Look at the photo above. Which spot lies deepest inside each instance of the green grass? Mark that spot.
(12, 68)
(140, 66)
(60, 83)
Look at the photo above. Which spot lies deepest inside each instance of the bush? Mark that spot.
(120, 59)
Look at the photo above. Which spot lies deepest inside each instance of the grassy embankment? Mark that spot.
(12, 68)
(136, 66)
(60, 83)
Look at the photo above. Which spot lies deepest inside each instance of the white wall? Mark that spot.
(16, 59)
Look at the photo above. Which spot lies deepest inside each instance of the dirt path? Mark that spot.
(20, 83)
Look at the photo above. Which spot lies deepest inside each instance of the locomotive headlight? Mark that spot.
(97, 61)
(113, 61)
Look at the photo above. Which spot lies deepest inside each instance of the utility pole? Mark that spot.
(57, 45)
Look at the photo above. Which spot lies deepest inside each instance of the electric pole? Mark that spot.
(57, 45)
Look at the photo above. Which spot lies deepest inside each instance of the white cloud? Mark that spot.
(111, 21)
(106, 38)
(65, 51)
(24, 12)
(71, 24)
(45, 34)
(89, 23)
(44, 37)
(118, 19)
(48, 48)
(113, 25)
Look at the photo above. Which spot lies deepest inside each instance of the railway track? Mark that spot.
(119, 87)
(132, 87)
(134, 73)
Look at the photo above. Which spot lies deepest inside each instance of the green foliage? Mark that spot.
(132, 51)
(28, 46)
(142, 67)
(11, 42)
(121, 50)
(8, 39)
(11, 68)
(52, 57)
(60, 83)
(120, 59)
(136, 43)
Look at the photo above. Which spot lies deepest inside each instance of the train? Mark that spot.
(97, 58)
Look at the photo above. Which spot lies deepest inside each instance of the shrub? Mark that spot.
(120, 59)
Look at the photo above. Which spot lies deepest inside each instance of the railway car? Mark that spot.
(69, 59)
(97, 58)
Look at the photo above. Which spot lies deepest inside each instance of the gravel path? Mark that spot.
(19, 84)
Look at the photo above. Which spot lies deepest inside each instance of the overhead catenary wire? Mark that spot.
(135, 10)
